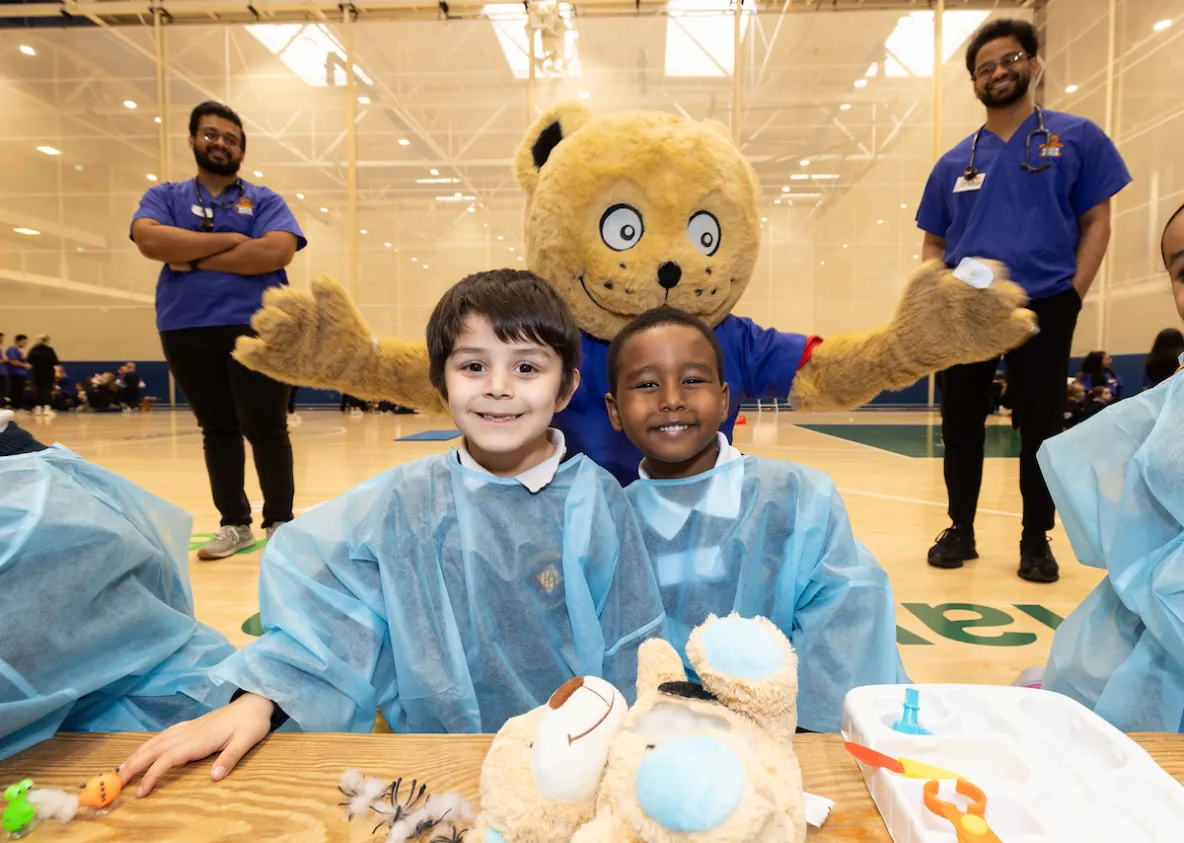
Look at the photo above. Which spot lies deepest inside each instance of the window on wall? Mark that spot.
(701, 38)
(309, 50)
(910, 46)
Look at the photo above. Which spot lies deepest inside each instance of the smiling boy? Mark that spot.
(734, 533)
(456, 591)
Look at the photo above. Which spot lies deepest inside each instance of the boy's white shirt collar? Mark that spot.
(726, 454)
(534, 479)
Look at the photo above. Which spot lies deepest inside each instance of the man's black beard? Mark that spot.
(229, 168)
(1017, 93)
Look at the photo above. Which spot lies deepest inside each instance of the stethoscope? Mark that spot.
(971, 172)
(207, 216)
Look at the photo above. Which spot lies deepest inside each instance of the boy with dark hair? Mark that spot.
(456, 591)
(733, 533)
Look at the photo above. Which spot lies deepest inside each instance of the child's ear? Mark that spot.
(725, 400)
(564, 400)
(614, 413)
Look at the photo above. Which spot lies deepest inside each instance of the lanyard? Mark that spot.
(207, 215)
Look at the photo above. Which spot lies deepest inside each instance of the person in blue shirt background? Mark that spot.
(223, 242)
(1096, 371)
(1032, 189)
(18, 371)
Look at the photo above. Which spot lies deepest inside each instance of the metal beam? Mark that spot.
(48, 281)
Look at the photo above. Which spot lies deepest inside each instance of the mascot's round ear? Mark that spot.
(547, 133)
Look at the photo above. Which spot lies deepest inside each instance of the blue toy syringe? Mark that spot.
(908, 723)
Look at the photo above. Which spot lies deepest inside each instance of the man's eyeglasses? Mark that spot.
(987, 69)
(211, 135)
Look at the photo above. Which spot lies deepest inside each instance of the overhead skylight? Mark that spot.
(509, 24)
(701, 38)
(910, 46)
(306, 50)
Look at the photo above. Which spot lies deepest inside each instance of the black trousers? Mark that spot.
(231, 401)
(43, 386)
(16, 391)
(1036, 375)
(4, 390)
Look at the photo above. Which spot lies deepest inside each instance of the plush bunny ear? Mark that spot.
(547, 133)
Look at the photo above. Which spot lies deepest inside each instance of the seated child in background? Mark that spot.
(1074, 403)
(96, 616)
(456, 591)
(1117, 481)
(1098, 399)
(728, 532)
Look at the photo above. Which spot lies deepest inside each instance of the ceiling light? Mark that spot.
(916, 257)
(844, 245)
(903, 204)
(1162, 25)
(776, 201)
(824, 176)
(32, 232)
(499, 237)
(511, 248)
(49, 150)
(434, 171)
(27, 50)
(879, 222)
(324, 210)
(860, 83)
(822, 263)
(584, 95)
(873, 69)
(1072, 89)
(299, 195)
(472, 209)
(442, 180)
(805, 162)
(404, 142)
(364, 100)
(258, 174)
(78, 168)
(764, 219)
(364, 231)
(784, 189)
(388, 245)
(425, 266)
(151, 177)
(520, 257)
(797, 177)
(845, 107)
(155, 119)
(415, 260)
(129, 104)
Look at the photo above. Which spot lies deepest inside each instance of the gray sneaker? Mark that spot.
(228, 541)
(271, 530)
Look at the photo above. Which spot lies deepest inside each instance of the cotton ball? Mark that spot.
(361, 790)
(452, 807)
(55, 804)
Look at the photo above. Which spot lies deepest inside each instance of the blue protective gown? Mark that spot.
(96, 614)
(1117, 482)
(449, 600)
(770, 538)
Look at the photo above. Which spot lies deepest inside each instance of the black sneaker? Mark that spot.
(1037, 564)
(954, 546)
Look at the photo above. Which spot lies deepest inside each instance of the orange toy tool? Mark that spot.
(970, 825)
(100, 791)
(904, 766)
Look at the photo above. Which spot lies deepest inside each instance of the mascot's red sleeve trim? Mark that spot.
(811, 344)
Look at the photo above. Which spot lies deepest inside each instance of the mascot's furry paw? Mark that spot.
(306, 338)
(943, 321)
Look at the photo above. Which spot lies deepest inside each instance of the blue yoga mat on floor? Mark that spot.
(430, 436)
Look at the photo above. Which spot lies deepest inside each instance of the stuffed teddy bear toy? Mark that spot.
(628, 212)
(688, 762)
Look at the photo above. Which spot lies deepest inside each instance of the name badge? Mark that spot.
(975, 273)
(963, 184)
(199, 211)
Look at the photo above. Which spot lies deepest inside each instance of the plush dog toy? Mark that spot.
(628, 212)
(688, 762)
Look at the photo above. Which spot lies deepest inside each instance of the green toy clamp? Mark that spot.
(19, 813)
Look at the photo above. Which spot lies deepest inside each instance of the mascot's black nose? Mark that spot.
(669, 274)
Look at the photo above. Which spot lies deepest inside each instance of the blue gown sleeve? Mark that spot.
(844, 615)
(1116, 481)
(624, 586)
(325, 656)
(97, 631)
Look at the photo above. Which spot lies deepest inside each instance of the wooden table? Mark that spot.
(286, 790)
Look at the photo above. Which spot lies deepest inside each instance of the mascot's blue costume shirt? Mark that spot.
(758, 363)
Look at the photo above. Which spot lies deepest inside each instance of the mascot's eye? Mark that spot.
(621, 228)
(704, 232)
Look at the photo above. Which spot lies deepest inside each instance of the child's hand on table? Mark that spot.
(231, 730)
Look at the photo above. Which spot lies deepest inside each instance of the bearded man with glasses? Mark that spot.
(223, 242)
(1032, 189)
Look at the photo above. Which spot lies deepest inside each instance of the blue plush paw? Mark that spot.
(691, 784)
(743, 648)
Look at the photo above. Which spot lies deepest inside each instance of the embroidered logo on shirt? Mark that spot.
(1052, 147)
(245, 207)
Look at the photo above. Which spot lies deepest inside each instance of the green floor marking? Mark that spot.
(904, 637)
(1046, 616)
(197, 540)
(253, 625)
(936, 619)
(918, 440)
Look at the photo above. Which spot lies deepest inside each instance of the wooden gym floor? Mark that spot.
(979, 624)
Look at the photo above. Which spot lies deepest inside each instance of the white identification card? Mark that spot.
(963, 184)
(198, 211)
(975, 273)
